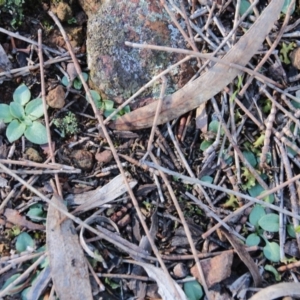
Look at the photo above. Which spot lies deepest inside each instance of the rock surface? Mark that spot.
(56, 97)
(117, 71)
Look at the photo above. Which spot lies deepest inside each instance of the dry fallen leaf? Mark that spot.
(91, 199)
(275, 291)
(14, 217)
(69, 270)
(210, 83)
(39, 285)
(164, 289)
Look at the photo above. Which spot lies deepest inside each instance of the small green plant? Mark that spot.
(264, 222)
(24, 241)
(238, 88)
(213, 129)
(68, 125)
(77, 84)
(22, 116)
(244, 6)
(284, 52)
(107, 106)
(15, 9)
(193, 290)
(72, 21)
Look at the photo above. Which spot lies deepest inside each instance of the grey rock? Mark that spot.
(117, 71)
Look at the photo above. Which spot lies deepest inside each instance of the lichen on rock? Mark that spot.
(117, 71)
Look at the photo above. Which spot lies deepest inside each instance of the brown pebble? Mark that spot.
(64, 11)
(33, 155)
(124, 221)
(180, 270)
(104, 156)
(295, 58)
(56, 97)
(215, 269)
(83, 159)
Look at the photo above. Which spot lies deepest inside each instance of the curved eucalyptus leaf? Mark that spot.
(5, 114)
(34, 109)
(15, 130)
(36, 133)
(22, 94)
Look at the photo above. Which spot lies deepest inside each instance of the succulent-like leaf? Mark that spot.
(272, 251)
(269, 222)
(256, 213)
(36, 133)
(77, 84)
(34, 109)
(250, 157)
(65, 81)
(271, 269)
(286, 5)
(97, 99)
(244, 6)
(15, 130)
(252, 240)
(205, 144)
(5, 114)
(17, 110)
(22, 94)
(24, 240)
(193, 290)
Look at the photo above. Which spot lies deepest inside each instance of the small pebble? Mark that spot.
(295, 58)
(104, 156)
(124, 221)
(64, 11)
(180, 270)
(83, 159)
(33, 155)
(56, 97)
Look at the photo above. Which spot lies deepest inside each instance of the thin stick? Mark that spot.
(28, 163)
(51, 152)
(158, 109)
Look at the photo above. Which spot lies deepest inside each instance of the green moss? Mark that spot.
(68, 125)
